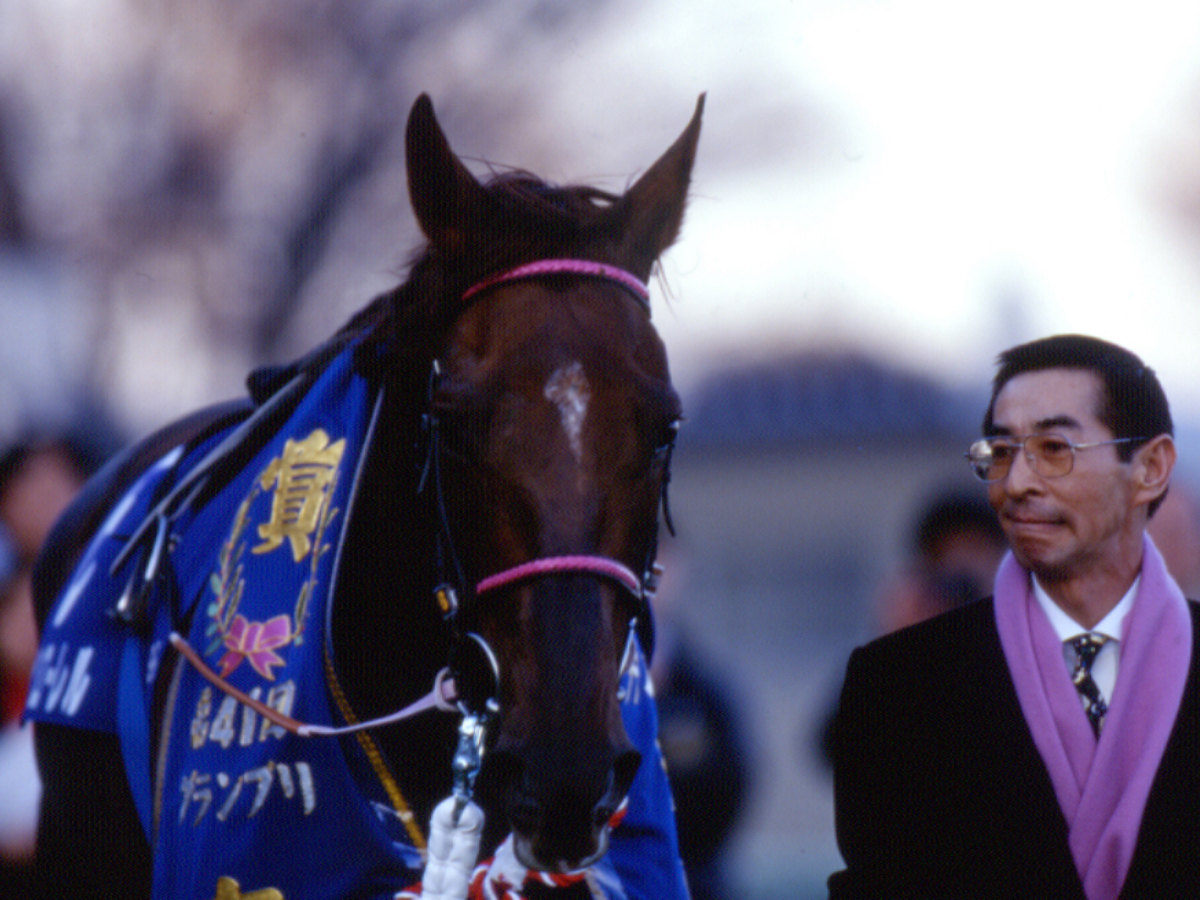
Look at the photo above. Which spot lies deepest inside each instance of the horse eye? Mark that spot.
(667, 441)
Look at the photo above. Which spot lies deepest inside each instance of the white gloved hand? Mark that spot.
(453, 850)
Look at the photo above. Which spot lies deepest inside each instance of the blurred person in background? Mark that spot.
(38, 478)
(701, 737)
(19, 784)
(957, 545)
(40, 473)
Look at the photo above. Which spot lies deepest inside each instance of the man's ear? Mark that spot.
(1153, 464)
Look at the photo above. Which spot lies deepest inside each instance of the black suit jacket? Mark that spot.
(940, 791)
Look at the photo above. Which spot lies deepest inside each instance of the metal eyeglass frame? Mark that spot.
(980, 460)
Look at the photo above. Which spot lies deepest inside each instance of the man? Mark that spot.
(1042, 743)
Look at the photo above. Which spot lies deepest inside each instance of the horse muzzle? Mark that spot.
(561, 816)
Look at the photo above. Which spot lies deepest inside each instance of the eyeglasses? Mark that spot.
(1049, 455)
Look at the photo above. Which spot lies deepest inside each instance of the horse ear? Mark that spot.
(651, 212)
(446, 198)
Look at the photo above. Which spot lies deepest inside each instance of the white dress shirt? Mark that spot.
(1106, 663)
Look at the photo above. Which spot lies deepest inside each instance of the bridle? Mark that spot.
(640, 588)
(584, 267)
(470, 683)
(473, 664)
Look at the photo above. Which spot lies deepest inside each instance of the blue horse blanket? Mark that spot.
(235, 803)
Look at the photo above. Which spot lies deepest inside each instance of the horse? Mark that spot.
(453, 502)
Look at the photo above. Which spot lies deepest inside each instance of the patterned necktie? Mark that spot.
(1086, 647)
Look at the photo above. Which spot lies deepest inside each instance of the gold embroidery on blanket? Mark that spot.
(228, 889)
(302, 477)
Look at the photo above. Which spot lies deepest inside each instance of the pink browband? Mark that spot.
(566, 267)
(551, 565)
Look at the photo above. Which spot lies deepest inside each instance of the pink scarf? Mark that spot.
(1102, 785)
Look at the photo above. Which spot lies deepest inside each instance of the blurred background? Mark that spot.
(887, 194)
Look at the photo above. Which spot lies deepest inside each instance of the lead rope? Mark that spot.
(443, 697)
(456, 826)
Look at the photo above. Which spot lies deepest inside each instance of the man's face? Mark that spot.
(1063, 528)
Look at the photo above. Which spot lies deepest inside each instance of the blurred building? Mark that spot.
(794, 486)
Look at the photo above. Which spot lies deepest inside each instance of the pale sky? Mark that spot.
(973, 175)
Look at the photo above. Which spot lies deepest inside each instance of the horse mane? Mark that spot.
(536, 216)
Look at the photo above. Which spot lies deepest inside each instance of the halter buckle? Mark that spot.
(468, 757)
(476, 674)
(447, 599)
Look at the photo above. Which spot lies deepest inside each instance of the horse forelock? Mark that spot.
(570, 206)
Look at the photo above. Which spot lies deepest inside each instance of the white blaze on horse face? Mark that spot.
(568, 389)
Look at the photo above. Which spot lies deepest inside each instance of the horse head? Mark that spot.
(555, 416)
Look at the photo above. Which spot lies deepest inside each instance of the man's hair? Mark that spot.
(1132, 405)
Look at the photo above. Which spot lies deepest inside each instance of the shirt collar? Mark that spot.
(1111, 626)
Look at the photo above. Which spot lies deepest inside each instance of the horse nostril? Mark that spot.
(603, 814)
(624, 769)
